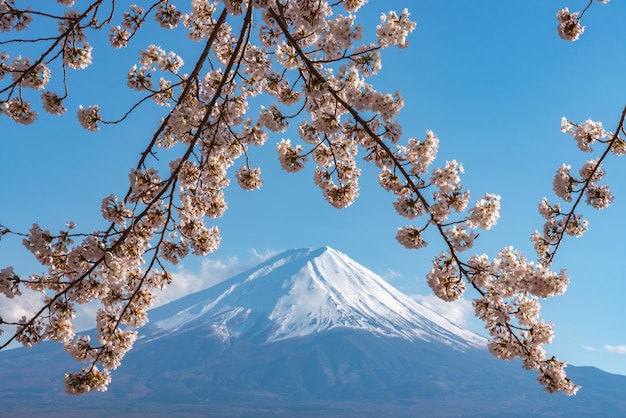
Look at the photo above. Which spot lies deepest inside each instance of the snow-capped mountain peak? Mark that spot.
(305, 291)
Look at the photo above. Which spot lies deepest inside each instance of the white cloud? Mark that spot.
(12, 310)
(24, 305)
(459, 311)
(86, 316)
(589, 348)
(211, 272)
(617, 349)
(389, 275)
(184, 282)
(263, 255)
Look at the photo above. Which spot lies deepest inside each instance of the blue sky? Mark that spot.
(491, 78)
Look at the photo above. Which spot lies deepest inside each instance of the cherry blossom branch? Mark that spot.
(25, 325)
(96, 357)
(446, 277)
(341, 113)
(72, 27)
(558, 223)
(397, 163)
(587, 182)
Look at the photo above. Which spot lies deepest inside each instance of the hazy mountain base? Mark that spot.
(338, 373)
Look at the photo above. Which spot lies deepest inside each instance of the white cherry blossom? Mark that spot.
(311, 59)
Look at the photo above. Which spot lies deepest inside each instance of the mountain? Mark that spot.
(304, 292)
(306, 333)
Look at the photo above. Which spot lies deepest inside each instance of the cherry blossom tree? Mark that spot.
(311, 62)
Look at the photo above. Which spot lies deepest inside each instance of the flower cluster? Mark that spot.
(569, 187)
(249, 179)
(12, 18)
(151, 59)
(585, 133)
(86, 380)
(569, 27)
(52, 103)
(409, 185)
(510, 287)
(30, 76)
(167, 15)
(445, 279)
(394, 29)
(19, 110)
(76, 50)
(68, 47)
(89, 117)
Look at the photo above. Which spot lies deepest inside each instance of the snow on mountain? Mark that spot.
(306, 291)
